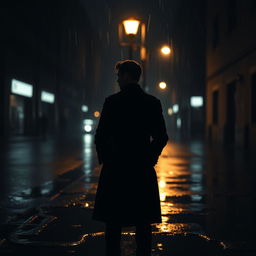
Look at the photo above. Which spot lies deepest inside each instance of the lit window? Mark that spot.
(196, 101)
(175, 108)
(47, 97)
(178, 122)
(21, 88)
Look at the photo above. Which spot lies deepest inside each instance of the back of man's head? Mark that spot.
(130, 67)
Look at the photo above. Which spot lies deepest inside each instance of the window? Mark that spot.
(253, 98)
(215, 104)
(216, 32)
(231, 15)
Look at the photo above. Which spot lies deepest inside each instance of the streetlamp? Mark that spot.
(96, 114)
(166, 50)
(162, 85)
(131, 27)
(135, 31)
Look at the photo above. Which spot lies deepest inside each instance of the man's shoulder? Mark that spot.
(146, 96)
(112, 98)
(151, 98)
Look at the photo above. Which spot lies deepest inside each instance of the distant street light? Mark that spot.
(162, 85)
(84, 108)
(96, 114)
(166, 50)
(170, 111)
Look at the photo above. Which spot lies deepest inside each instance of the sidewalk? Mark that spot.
(29, 163)
(200, 201)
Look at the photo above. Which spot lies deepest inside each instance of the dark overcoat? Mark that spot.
(129, 139)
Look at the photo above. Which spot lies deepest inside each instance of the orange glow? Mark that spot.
(166, 50)
(172, 227)
(131, 26)
(172, 169)
(162, 183)
(162, 85)
(170, 111)
(143, 53)
(162, 196)
(96, 114)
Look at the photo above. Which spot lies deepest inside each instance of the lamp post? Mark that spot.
(131, 27)
(135, 31)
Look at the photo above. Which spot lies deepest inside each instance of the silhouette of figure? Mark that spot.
(129, 139)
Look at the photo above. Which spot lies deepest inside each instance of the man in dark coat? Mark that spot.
(129, 139)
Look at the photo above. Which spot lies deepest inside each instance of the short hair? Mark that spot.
(131, 67)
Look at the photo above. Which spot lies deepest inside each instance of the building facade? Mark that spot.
(47, 60)
(231, 72)
(187, 69)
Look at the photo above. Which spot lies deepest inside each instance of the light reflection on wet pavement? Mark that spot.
(63, 220)
(180, 175)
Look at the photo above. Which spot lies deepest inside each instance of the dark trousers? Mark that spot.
(143, 239)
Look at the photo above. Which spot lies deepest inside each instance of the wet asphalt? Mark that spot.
(47, 195)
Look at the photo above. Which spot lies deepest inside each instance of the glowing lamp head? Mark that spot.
(131, 26)
(162, 85)
(170, 111)
(166, 50)
(96, 114)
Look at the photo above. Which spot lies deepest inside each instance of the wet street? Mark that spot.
(207, 201)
